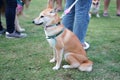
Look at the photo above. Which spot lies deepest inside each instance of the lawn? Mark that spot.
(28, 58)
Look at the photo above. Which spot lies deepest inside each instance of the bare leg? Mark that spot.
(51, 3)
(106, 5)
(118, 7)
(17, 25)
(59, 5)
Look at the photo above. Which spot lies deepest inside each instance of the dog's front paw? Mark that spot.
(97, 15)
(56, 68)
(52, 60)
(66, 66)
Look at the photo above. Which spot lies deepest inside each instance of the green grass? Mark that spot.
(28, 58)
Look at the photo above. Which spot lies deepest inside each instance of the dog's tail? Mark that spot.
(85, 63)
(86, 66)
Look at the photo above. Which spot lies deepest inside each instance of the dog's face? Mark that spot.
(95, 3)
(47, 17)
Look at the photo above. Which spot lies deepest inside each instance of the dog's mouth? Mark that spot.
(37, 23)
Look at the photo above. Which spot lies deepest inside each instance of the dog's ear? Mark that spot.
(50, 4)
(53, 12)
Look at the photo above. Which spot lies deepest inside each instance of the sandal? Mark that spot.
(105, 14)
(118, 15)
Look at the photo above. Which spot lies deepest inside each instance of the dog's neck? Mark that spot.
(52, 25)
(55, 35)
(53, 31)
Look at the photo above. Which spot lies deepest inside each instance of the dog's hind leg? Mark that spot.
(97, 15)
(86, 66)
(74, 63)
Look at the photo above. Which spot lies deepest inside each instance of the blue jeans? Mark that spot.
(78, 19)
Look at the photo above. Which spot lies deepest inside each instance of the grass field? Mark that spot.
(28, 58)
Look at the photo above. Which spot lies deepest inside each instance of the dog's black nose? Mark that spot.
(33, 21)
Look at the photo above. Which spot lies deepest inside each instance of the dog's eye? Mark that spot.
(51, 11)
(41, 16)
(93, 3)
(97, 3)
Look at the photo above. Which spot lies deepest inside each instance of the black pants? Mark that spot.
(10, 13)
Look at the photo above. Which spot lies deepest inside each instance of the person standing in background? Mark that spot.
(57, 3)
(10, 13)
(106, 5)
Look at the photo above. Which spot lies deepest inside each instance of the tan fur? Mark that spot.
(66, 43)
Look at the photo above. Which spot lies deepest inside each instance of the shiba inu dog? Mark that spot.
(63, 41)
(95, 8)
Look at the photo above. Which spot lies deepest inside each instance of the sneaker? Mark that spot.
(15, 34)
(2, 31)
(86, 45)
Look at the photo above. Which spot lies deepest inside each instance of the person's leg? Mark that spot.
(51, 3)
(118, 7)
(1, 28)
(106, 5)
(59, 5)
(10, 13)
(81, 22)
(68, 20)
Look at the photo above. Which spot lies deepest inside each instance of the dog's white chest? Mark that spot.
(94, 10)
(52, 42)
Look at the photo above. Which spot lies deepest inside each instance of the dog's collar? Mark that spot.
(54, 36)
(53, 25)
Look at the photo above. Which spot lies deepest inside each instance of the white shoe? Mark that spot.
(86, 45)
(15, 34)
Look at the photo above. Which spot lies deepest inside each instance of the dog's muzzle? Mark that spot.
(37, 23)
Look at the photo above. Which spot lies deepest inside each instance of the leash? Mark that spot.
(53, 25)
(54, 36)
(69, 9)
